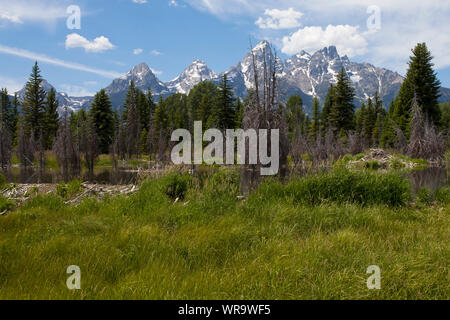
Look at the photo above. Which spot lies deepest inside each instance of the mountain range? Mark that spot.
(306, 74)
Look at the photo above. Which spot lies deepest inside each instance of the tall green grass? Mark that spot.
(209, 245)
(342, 186)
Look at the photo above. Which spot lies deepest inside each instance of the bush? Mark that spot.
(345, 186)
(424, 196)
(5, 204)
(68, 190)
(2, 181)
(442, 195)
(372, 165)
(176, 185)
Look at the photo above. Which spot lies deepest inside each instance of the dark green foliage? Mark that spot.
(420, 80)
(175, 186)
(327, 108)
(424, 196)
(103, 119)
(315, 123)
(442, 195)
(2, 181)
(51, 119)
(343, 186)
(295, 117)
(240, 110)
(33, 105)
(224, 113)
(67, 190)
(201, 101)
(5, 204)
(342, 108)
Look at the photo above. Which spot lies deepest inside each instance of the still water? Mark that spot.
(430, 178)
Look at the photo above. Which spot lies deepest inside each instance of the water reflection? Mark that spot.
(99, 176)
(430, 178)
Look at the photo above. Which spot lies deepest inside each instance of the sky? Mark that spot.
(82, 45)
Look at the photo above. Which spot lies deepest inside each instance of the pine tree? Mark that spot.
(421, 80)
(295, 117)
(329, 101)
(239, 117)
(15, 117)
(342, 110)
(51, 119)
(225, 105)
(369, 121)
(103, 119)
(360, 116)
(132, 121)
(34, 103)
(315, 124)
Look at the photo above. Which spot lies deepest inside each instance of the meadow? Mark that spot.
(184, 237)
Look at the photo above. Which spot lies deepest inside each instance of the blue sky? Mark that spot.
(116, 35)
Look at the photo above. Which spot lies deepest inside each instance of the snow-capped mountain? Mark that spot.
(71, 103)
(195, 73)
(306, 74)
(143, 78)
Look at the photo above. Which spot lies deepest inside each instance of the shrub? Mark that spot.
(2, 181)
(68, 190)
(442, 195)
(345, 186)
(5, 204)
(424, 196)
(372, 165)
(176, 185)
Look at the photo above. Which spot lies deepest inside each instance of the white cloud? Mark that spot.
(137, 51)
(20, 11)
(347, 39)
(404, 23)
(13, 85)
(173, 3)
(140, 1)
(156, 53)
(279, 19)
(70, 65)
(99, 44)
(76, 91)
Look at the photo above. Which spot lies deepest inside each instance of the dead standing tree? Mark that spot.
(426, 142)
(65, 150)
(262, 110)
(5, 146)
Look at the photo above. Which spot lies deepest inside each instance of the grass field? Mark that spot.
(312, 238)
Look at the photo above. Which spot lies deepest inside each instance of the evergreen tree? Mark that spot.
(103, 119)
(51, 119)
(225, 105)
(240, 109)
(15, 117)
(34, 103)
(369, 121)
(329, 101)
(295, 117)
(132, 121)
(342, 110)
(360, 115)
(200, 101)
(315, 124)
(420, 80)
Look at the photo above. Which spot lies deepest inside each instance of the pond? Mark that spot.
(99, 176)
(430, 178)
